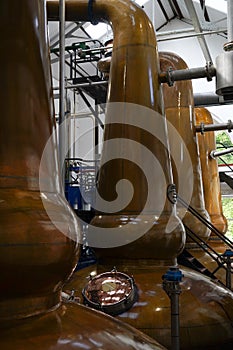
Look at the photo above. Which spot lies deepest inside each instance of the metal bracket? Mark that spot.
(171, 193)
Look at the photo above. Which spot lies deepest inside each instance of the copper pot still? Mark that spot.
(39, 233)
(206, 308)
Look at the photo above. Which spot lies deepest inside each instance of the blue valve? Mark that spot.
(228, 253)
(173, 275)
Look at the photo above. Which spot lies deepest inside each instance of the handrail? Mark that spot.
(220, 259)
(206, 247)
(208, 224)
(224, 162)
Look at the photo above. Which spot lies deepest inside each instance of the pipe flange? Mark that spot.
(208, 68)
(202, 128)
(171, 193)
(170, 80)
(91, 16)
(228, 46)
(229, 126)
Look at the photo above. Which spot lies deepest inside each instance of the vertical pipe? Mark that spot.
(62, 134)
(175, 322)
(230, 20)
(171, 285)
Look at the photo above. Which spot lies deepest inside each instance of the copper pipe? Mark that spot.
(209, 168)
(134, 42)
(179, 108)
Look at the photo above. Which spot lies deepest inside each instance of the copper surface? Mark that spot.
(133, 80)
(178, 101)
(74, 326)
(140, 88)
(206, 310)
(35, 257)
(209, 168)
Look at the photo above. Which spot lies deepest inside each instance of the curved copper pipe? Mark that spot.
(134, 83)
(209, 168)
(178, 101)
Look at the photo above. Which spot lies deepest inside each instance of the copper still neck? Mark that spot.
(209, 168)
(179, 109)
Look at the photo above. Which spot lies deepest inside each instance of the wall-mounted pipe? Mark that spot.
(215, 153)
(211, 99)
(202, 128)
(171, 75)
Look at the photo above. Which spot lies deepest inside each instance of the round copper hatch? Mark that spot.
(111, 292)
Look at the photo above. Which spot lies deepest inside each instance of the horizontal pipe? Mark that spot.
(211, 99)
(191, 35)
(173, 32)
(170, 76)
(74, 86)
(215, 153)
(214, 127)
